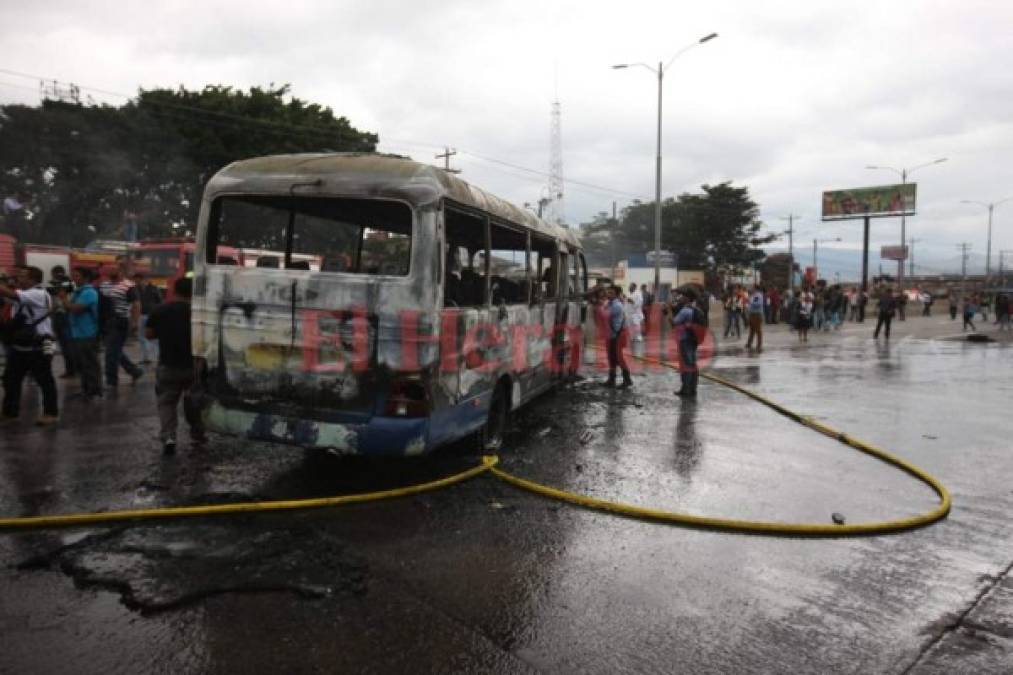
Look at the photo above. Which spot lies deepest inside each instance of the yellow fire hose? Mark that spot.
(246, 507)
(757, 526)
(489, 464)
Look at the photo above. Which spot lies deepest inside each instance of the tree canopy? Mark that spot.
(95, 166)
(715, 230)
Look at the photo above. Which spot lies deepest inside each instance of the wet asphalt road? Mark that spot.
(481, 577)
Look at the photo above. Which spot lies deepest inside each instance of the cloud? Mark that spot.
(791, 99)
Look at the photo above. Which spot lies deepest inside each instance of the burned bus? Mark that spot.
(436, 310)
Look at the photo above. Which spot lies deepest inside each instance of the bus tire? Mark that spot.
(490, 438)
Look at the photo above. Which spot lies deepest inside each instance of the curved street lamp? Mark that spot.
(660, 72)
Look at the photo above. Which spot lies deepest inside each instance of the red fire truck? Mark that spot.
(167, 260)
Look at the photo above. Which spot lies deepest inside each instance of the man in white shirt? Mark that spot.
(636, 313)
(31, 349)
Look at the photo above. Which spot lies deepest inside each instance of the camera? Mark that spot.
(55, 286)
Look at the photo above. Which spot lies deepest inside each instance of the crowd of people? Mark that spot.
(623, 317)
(89, 314)
(824, 308)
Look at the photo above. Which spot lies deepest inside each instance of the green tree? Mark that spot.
(715, 230)
(85, 166)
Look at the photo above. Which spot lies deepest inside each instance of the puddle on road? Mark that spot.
(161, 568)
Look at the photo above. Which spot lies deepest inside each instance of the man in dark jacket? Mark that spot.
(150, 297)
(887, 308)
(170, 325)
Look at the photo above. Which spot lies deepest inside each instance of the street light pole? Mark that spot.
(988, 249)
(657, 193)
(791, 249)
(988, 246)
(660, 72)
(816, 269)
(904, 173)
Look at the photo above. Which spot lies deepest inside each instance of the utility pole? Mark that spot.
(55, 91)
(988, 247)
(1002, 267)
(964, 248)
(615, 253)
(445, 156)
(791, 248)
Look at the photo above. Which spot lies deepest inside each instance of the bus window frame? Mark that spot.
(214, 220)
(518, 229)
(469, 212)
(579, 268)
(554, 262)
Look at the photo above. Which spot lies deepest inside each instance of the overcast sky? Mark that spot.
(791, 99)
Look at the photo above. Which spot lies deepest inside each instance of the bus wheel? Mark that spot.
(491, 437)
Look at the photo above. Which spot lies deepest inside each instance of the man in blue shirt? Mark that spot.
(82, 309)
(687, 323)
(618, 338)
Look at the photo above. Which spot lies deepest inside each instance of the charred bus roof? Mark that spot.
(371, 175)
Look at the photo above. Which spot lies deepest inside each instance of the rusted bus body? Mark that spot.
(371, 357)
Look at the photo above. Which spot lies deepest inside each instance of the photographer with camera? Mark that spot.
(59, 283)
(29, 337)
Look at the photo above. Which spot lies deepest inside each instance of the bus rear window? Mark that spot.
(161, 262)
(356, 236)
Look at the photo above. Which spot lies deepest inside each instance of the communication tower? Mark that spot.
(556, 213)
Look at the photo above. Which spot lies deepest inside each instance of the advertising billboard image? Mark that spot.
(893, 252)
(883, 200)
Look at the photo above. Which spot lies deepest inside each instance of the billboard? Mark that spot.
(893, 252)
(882, 200)
(668, 259)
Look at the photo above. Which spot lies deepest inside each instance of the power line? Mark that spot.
(19, 86)
(545, 174)
(314, 131)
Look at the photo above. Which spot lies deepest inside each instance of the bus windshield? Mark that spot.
(162, 262)
(356, 236)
